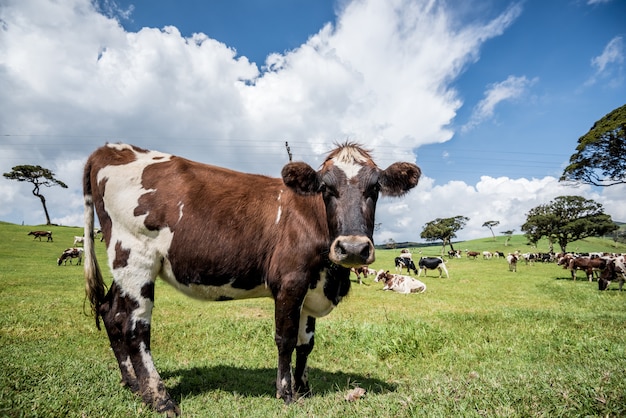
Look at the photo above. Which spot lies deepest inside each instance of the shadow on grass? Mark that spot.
(262, 382)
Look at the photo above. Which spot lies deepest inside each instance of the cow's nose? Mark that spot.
(352, 251)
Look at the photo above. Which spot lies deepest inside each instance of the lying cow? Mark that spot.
(432, 263)
(69, 254)
(39, 234)
(403, 262)
(615, 271)
(401, 284)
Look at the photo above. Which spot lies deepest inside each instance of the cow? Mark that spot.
(39, 234)
(401, 284)
(454, 253)
(487, 255)
(472, 254)
(403, 262)
(78, 240)
(217, 234)
(363, 270)
(511, 259)
(587, 264)
(432, 263)
(69, 254)
(615, 271)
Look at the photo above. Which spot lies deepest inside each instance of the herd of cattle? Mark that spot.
(68, 254)
(605, 267)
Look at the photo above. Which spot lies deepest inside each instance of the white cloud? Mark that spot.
(510, 89)
(73, 79)
(609, 64)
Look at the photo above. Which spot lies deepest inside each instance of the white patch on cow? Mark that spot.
(147, 248)
(181, 205)
(303, 336)
(316, 304)
(349, 161)
(280, 208)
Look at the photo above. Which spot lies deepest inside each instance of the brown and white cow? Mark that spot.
(70, 254)
(400, 283)
(217, 234)
(587, 264)
(615, 271)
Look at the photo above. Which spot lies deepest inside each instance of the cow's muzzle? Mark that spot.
(352, 251)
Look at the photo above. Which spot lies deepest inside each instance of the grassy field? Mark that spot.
(485, 342)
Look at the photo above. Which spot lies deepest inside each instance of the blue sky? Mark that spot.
(488, 99)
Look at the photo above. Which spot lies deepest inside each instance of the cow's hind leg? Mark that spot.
(126, 315)
(306, 340)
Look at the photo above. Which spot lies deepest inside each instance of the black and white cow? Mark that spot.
(403, 262)
(432, 263)
(70, 254)
(216, 234)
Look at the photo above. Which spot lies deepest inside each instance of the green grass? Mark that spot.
(485, 342)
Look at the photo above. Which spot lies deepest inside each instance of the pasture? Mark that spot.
(485, 342)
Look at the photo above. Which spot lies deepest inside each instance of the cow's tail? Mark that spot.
(94, 283)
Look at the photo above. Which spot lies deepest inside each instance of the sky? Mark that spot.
(489, 98)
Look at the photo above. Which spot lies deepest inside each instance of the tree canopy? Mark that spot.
(567, 219)
(443, 229)
(38, 176)
(490, 225)
(600, 158)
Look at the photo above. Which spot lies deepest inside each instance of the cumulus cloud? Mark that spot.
(382, 74)
(510, 89)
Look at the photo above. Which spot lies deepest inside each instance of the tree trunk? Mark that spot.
(45, 209)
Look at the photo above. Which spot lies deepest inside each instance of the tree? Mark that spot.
(38, 176)
(508, 235)
(490, 225)
(443, 229)
(600, 158)
(567, 219)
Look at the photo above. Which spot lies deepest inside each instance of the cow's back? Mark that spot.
(205, 226)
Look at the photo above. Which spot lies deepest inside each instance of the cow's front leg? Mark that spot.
(287, 318)
(306, 340)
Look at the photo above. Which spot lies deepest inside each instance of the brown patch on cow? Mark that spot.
(121, 256)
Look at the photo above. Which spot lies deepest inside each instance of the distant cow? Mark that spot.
(401, 284)
(586, 264)
(432, 263)
(363, 270)
(615, 271)
(454, 253)
(39, 234)
(78, 240)
(402, 262)
(511, 259)
(217, 234)
(472, 254)
(69, 254)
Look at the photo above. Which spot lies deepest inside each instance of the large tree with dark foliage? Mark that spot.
(567, 219)
(600, 158)
(443, 229)
(38, 176)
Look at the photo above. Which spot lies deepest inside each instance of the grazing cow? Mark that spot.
(401, 284)
(69, 254)
(587, 264)
(472, 254)
(454, 253)
(39, 234)
(217, 234)
(402, 262)
(511, 259)
(487, 255)
(78, 240)
(615, 271)
(363, 270)
(432, 263)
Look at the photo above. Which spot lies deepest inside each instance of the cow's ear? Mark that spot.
(399, 178)
(301, 178)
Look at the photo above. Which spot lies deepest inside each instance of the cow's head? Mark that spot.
(350, 184)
